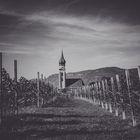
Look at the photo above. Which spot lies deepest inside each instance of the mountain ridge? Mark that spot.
(87, 75)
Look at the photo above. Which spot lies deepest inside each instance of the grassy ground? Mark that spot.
(68, 119)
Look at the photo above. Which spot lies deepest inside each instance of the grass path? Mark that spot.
(69, 119)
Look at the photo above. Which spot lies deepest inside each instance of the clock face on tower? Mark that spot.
(61, 68)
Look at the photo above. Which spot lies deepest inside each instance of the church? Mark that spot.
(64, 82)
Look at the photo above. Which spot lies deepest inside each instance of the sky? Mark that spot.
(92, 34)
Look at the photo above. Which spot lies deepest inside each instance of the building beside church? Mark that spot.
(65, 82)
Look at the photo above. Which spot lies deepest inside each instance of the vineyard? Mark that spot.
(30, 101)
(16, 94)
(119, 95)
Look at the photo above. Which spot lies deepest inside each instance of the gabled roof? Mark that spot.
(74, 82)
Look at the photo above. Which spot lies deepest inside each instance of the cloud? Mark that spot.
(88, 41)
(50, 30)
(15, 49)
(3, 11)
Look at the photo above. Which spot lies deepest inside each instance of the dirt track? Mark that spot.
(69, 119)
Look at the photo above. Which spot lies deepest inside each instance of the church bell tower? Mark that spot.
(62, 72)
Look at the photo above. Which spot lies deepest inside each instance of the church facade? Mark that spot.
(64, 82)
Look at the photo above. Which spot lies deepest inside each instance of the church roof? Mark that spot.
(62, 60)
(74, 82)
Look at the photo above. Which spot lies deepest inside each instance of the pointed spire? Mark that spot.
(62, 55)
(62, 59)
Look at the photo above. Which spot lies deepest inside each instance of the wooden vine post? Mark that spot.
(84, 91)
(97, 95)
(42, 83)
(120, 96)
(139, 73)
(16, 92)
(109, 98)
(89, 92)
(38, 88)
(1, 105)
(114, 96)
(103, 92)
(93, 93)
(42, 77)
(106, 95)
(129, 94)
(139, 79)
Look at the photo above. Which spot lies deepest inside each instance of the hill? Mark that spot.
(88, 75)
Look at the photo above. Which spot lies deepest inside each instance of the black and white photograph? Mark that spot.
(69, 70)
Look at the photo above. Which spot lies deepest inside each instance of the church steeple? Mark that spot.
(62, 72)
(62, 60)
